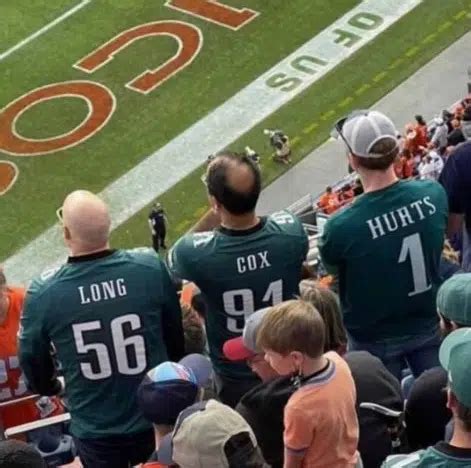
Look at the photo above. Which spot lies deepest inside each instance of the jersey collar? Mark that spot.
(93, 256)
(243, 232)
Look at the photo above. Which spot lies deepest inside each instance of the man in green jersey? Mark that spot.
(455, 358)
(385, 249)
(247, 263)
(110, 315)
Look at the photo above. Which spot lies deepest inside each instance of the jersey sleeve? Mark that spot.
(329, 250)
(35, 354)
(180, 258)
(451, 181)
(299, 429)
(172, 324)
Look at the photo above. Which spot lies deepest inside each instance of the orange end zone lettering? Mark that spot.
(8, 175)
(101, 105)
(215, 12)
(188, 37)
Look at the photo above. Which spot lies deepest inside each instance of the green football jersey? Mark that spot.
(441, 455)
(386, 249)
(239, 272)
(110, 317)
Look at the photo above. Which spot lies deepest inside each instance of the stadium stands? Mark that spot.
(424, 151)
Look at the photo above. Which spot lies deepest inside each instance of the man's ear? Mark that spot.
(214, 204)
(450, 399)
(353, 161)
(67, 234)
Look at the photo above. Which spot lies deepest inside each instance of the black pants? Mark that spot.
(230, 391)
(116, 451)
(158, 240)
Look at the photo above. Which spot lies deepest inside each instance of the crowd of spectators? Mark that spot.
(230, 353)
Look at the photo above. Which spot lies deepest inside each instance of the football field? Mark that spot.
(128, 97)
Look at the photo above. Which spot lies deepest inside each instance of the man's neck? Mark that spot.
(78, 251)
(239, 223)
(461, 438)
(377, 180)
(311, 366)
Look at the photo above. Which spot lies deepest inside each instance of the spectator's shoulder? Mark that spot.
(403, 461)
(47, 279)
(195, 243)
(144, 256)
(285, 222)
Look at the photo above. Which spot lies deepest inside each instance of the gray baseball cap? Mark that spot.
(245, 346)
(363, 129)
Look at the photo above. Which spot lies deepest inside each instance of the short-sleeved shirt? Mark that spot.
(239, 272)
(386, 249)
(320, 418)
(456, 179)
(442, 455)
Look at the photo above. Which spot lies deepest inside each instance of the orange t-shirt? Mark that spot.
(320, 418)
(12, 384)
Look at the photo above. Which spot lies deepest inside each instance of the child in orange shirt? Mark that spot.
(321, 426)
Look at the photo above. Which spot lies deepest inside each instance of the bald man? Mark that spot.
(111, 315)
(247, 263)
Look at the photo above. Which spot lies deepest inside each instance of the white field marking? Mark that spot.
(44, 29)
(49, 98)
(209, 20)
(127, 44)
(168, 165)
(12, 182)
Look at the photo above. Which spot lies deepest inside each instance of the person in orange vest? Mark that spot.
(329, 201)
(12, 382)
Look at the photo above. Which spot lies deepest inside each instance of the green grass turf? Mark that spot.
(19, 19)
(141, 124)
(186, 202)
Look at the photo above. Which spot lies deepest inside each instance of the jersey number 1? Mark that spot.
(244, 298)
(412, 246)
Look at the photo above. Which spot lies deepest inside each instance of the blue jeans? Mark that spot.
(419, 352)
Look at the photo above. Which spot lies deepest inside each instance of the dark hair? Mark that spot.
(387, 147)
(420, 120)
(16, 454)
(193, 331)
(233, 200)
(464, 415)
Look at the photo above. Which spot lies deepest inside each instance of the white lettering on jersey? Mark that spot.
(103, 291)
(253, 262)
(282, 217)
(404, 216)
(202, 238)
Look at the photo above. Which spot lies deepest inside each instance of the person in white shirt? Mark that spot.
(427, 168)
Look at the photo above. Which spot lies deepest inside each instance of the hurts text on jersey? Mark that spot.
(401, 218)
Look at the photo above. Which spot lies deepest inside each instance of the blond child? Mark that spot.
(320, 421)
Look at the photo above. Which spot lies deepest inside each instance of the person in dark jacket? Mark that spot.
(158, 226)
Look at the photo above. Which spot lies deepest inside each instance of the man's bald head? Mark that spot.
(87, 220)
(235, 182)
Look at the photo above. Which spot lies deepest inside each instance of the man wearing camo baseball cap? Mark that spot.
(385, 249)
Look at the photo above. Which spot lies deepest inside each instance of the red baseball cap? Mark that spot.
(245, 347)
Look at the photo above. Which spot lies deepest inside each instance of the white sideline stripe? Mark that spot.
(171, 163)
(44, 29)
